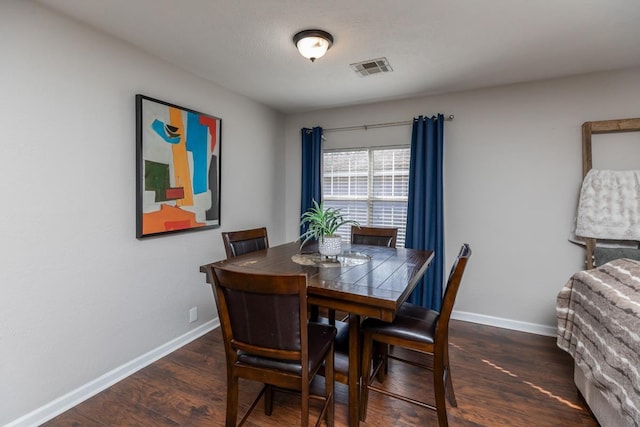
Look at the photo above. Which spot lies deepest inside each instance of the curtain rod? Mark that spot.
(379, 125)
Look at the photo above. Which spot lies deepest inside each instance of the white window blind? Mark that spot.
(369, 185)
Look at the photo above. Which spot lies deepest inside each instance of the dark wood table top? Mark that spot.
(374, 289)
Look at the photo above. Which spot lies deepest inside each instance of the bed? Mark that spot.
(598, 317)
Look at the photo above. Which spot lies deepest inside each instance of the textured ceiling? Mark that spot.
(433, 46)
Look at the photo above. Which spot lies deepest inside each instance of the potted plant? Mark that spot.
(322, 225)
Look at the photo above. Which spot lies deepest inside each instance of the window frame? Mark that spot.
(370, 199)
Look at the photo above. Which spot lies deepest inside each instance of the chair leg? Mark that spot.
(268, 400)
(332, 316)
(232, 400)
(451, 396)
(329, 388)
(386, 361)
(304, 404)
(439, 388)
(381, 353)
(367, 343)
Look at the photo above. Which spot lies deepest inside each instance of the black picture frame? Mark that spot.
(178, 153)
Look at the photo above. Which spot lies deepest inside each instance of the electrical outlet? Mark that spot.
(193, 314)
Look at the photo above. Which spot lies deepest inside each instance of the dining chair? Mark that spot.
(376, 236)
(245, 241)
(268, 338)
(422, 330)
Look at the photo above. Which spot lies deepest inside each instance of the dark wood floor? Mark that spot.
(501, 378)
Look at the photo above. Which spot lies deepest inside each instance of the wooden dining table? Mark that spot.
(365, 281)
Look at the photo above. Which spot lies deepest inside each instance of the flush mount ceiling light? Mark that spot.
(312, 44)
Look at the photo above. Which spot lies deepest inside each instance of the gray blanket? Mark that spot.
(598, 314)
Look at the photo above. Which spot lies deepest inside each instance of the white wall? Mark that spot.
(512, 175)
(80, 297)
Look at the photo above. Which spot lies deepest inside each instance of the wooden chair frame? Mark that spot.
(230, 238)
(438, 350)
(360, 234)
(224, 280)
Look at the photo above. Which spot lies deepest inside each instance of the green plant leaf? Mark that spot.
(322, 222)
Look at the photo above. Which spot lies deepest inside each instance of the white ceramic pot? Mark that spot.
(330, 246)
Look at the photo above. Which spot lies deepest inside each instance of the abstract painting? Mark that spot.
(178, 168)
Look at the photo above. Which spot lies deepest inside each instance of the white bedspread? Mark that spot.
(609, 206)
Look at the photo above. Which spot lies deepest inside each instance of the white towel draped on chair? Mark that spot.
(609, 206)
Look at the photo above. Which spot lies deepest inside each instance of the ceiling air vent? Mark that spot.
(372, 66)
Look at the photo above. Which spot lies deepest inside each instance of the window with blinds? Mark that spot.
(369, 185)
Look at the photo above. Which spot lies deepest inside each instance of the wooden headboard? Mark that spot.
(588, 129)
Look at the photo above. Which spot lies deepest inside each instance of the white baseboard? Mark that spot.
(82, 393)
(500, 322)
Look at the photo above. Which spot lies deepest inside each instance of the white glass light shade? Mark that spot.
(313, 47)
(313, 44)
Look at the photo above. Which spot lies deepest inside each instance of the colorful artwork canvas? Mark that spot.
(178, 162)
